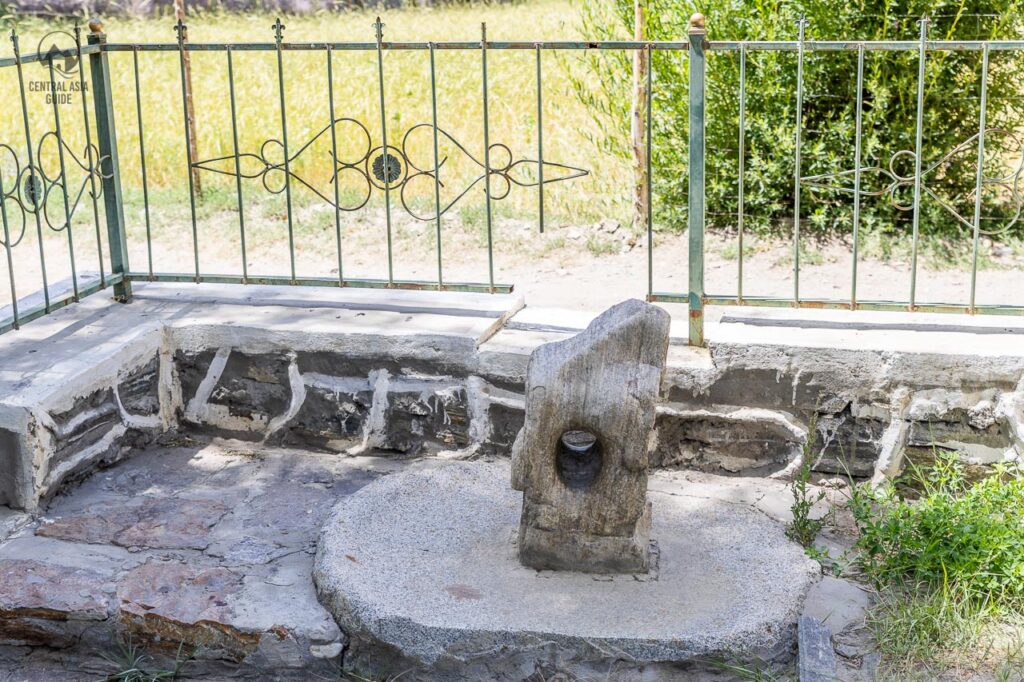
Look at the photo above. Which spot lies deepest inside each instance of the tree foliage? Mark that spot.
(951, 111)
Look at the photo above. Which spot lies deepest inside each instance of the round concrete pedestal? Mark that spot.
(420, 571)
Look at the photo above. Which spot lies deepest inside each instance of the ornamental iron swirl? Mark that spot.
(30, 189)
(392, 169)
(1011, 184)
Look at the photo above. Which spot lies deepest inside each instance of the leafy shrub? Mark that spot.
(959, 537)
(951, 113)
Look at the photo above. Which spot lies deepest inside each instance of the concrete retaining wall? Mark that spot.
(734, 408)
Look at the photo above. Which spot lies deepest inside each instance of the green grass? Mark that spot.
(924, 633)
(568, 128)
(131, 663)
(731, 250)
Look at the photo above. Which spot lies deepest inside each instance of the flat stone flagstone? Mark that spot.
(208, 547)
(420, 570)
(147, 522)
(44, 604)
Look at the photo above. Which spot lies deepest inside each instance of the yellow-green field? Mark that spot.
(570, 135)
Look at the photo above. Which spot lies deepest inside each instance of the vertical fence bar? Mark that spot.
(35, 194)
(487, 161)
(7, 249)
(334, 162)
(182, 30)
(802, 24)
(647, 173)
(142, 160)
(981, 174)
(106, 138)
(88, 155)
(858, 134)
(918, 151)
(238, 164)
(540, 143)
(695, 198)
(278, 37)
(63, 180)
(437, 162)
(385, 157)
(742, 162)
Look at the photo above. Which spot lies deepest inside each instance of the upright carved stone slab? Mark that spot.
(581, 458)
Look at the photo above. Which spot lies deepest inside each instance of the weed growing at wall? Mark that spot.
(804, 528)
(133, 664)
(961, 537)
(949, 566)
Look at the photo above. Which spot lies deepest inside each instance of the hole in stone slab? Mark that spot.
(579, 459)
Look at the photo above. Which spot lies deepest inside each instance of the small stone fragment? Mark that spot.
(817, 659)
(332, 650)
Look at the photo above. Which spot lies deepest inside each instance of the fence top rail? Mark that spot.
(393, 45)
(869, 45)
(31, 57)
(679, 46)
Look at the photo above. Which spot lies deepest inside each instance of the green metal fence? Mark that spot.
(388, 170)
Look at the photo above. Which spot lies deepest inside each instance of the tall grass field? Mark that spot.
(570, 136)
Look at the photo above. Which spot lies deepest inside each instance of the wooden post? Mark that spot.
(638, 126)
(179, 15)
(695, 188)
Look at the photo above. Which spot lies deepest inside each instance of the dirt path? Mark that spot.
(580, 267)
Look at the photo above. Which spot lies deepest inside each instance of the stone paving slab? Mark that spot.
(114, 556)
(148, 522)
(206, 544)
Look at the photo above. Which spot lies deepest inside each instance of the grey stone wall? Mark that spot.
(733, 409)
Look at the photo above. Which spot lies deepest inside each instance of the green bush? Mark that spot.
(890, 84)
(958, 537)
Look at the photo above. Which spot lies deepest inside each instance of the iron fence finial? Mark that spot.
(95, 25)
(697, 23)
(278, 30)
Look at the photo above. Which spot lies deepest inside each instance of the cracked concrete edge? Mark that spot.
(28, 415)
(26, 412)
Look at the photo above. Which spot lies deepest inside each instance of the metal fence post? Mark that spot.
(695, 200)
(106, 139)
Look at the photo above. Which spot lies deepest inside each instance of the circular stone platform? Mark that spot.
(420, 570)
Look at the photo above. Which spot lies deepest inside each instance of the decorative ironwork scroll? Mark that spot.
(1011, 183)
(29, 189)
(393, 168)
